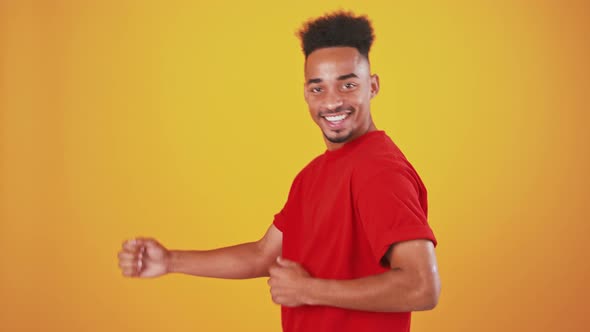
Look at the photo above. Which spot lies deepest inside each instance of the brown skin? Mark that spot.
(147, 258)
(412, 284)
(338, 82)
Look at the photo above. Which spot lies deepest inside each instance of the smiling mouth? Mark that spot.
(336, 118)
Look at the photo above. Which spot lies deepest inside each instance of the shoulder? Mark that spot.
(382, 168)
(385, 166)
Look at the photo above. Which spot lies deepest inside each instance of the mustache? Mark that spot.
(338, 109)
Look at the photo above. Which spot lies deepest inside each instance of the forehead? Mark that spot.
(332, 62)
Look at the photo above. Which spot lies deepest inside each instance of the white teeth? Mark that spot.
(336, 118)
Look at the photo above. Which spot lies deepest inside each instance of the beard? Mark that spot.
(339, 138)
(340, 135)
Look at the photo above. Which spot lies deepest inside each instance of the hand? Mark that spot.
(144, 258)
(287, 283)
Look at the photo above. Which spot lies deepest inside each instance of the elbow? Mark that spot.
(428, 300)
(427, 295)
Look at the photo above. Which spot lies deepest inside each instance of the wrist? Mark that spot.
(170, 261)
(310, 291)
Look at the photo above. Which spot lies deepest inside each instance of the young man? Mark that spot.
(351, 250)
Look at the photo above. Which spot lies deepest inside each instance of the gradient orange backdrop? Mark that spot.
(186, 121)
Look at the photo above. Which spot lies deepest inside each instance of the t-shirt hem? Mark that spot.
(404, 234)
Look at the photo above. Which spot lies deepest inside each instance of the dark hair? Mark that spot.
(337, 29)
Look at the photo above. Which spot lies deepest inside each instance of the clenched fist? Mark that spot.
(144, 258)
(288, 281)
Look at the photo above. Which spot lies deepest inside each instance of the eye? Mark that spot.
(349, 85)
(316, 89)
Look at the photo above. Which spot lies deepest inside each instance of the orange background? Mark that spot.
(186, 121)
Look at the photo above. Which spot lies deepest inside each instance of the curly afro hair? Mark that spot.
(337, 29)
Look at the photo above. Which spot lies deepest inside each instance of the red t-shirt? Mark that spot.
(344, 210)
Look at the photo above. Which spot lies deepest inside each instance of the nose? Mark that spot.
(332, 100)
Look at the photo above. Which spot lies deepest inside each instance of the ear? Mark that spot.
(374, 85)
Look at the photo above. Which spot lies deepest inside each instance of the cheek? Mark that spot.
(313, 107)
(356, 98)
(313, 112)
(356, 103)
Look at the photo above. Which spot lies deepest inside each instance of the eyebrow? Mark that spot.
(347, 76)
(340, 78)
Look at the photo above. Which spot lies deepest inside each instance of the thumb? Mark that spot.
(285, 262)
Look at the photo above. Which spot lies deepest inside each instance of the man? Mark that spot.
(351, 249)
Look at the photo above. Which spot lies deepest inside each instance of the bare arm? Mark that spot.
(412, 284)
(147, 258)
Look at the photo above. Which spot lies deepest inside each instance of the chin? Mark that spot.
(339, 137)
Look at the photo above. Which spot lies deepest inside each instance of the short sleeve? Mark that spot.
(281, 219)
(392, 207)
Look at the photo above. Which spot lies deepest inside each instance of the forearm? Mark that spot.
(236, 262)
(391, 291)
